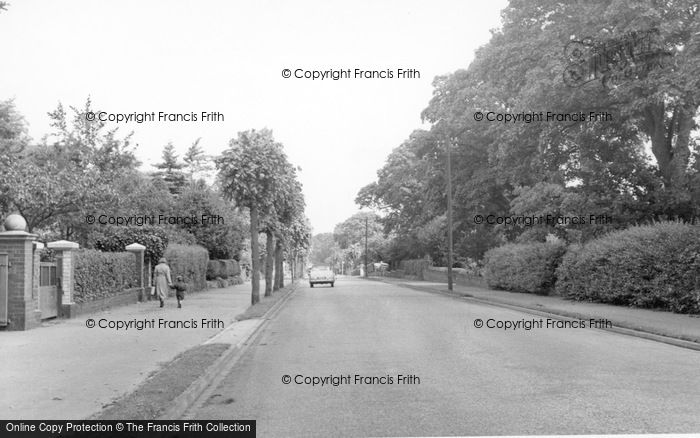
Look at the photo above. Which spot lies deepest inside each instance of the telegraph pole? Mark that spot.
(448, 144)
(366, 266)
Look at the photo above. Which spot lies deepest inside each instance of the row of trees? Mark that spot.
(82, 172)
(255, 173)
(642, 165)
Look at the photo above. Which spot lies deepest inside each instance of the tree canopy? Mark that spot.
(638, 62)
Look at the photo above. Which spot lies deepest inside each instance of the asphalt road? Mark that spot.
(472, 381)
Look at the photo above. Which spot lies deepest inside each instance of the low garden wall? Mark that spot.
(103, 280)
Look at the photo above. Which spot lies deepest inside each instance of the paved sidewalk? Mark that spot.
(669, 324)
(64, 370)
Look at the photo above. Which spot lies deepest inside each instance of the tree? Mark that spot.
(222, 230)
(655, 101)
(531, 167)
(350, 237)
(52, 184)
(13, 141)
(13, 130)
(197, 164)
(323, 248)
(248, 175)
(171, 170)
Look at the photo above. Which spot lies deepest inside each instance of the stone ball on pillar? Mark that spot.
(15, 222)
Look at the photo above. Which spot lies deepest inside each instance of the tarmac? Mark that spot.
(65, 370)
(672, 328)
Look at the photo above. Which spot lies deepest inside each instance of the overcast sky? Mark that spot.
(228, 57)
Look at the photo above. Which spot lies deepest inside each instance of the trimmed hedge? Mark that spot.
(523, 267)
(222, 269)
(651, 266)
(115, 239)
(190, 261)
(102, 274)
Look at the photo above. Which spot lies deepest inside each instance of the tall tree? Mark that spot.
(248, 175)
(197, 163)
(171, 170)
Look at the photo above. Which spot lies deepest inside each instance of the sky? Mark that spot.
(228, 57)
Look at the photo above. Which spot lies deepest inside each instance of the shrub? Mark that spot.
(415, 267)
(101, 274)
(652, 266)
(191, 262)
(523, 267)
(222, 269)
(115, 239)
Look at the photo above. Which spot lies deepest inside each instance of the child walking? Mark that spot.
(180, 287)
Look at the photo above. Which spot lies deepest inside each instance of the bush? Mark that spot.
(115, 239)
(651, 266)
(523, 267)
(415, 267)
(222, 269)
(191, 262)
(101, 274)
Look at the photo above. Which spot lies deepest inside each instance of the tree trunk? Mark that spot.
(670, 140)
(279, 265)
(291, 265)
(254, 255)
(269, 263)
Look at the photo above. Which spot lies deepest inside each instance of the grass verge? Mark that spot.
(265, 303)
(154, 395)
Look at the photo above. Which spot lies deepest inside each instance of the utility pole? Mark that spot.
(366, 266)
(448, 144)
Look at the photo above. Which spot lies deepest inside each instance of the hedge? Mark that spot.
(115, 239)
(651, 266)
(190, 261)
(102, 274)
(523, 267)
(222, 269)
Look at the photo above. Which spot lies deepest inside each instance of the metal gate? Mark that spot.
(4, 263)
(48, 290)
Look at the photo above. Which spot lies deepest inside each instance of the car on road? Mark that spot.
(321, 276)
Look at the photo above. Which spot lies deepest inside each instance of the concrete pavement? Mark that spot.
(673, 325)
(65, 370)
(466, 381)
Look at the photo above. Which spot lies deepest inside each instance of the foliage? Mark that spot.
(653, 266)
(102, 274)
(53, 184)
(415, 266)
(189, 261)
(323, 249)
(116, 239)
(197, 163)
(350, 237)
(592, 168)
(523, 267)
(222, 269)
(224, 235)
(254, 173)
(171, 170)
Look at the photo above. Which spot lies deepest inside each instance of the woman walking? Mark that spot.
(162, 279)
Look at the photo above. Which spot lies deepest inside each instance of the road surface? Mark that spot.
(456, 379)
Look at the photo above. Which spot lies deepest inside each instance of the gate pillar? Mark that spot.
(64, 254)
(138, 251)
(16, 245)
